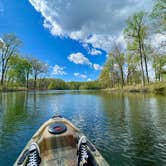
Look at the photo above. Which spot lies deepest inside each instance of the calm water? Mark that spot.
(127, 129)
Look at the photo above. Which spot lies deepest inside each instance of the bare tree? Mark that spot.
(119, 59)
(9, 48)
(38, 68)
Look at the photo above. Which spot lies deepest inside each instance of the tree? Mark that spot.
(105, 75)
(159, 62)
(27, 69)
(38, 67)
(57, 84)
(136, 33)
(19, 70)
(1, 44)
(133, 73)
(159, 16)
(10, 48)
(118, 57)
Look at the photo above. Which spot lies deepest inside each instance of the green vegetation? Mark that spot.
(28, 73)
(124, 69)
(128, 69)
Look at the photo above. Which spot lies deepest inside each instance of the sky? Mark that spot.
(73, 36)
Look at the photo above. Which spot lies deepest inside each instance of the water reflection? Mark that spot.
(128, 129)
(135, 132)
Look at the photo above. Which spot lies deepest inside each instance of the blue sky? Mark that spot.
(73, 37)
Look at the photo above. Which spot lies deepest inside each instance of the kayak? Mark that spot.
(57, 140)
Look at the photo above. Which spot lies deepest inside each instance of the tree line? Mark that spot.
(27, 72)
(130, 66)
(17, 70)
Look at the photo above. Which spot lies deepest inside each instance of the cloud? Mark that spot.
(57, 70)
(158, 41)
(92, 21)
(79, 58)
(97, 67)
(89, 79)
(80, 75)
(94, 51)
(105, 42)
(90, 49)
(100, 41)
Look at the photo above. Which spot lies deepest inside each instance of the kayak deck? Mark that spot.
(64, 156)
(60, 149)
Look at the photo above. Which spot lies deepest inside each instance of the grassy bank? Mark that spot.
(156, 88)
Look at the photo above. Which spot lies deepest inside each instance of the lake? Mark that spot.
(128, 129)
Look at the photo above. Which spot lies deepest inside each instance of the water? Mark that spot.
(127, 129)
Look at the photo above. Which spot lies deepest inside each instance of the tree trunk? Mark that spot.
(146, 69)
(4, 68)
(155, 72)
(141, 58)
(160, 72)
(122, 77)
(2, 77)
(142, 69)
(35, 81)
(127, 79)
(27, 78)
(145, 60)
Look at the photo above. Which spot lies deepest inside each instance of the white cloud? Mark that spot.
(90, 49)
(105, 42)
(80, 75)
(158, 41)
(91, 21)
(89, 79)
(54, 29)
(76, 74)
(57, 70)
(94, 51)
(79, 58)
(100, 41)
(97, 67)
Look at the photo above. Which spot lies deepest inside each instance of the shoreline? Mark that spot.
(155, 88)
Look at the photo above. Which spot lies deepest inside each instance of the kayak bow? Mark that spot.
(57, 140)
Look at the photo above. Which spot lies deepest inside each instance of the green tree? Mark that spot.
(133, 73)
(159, 16)
(15, 72)
(136, 33)
(19, 70)
(27, 69)
(57, 84)
(159, 64)
(10, 48)
(105, 75)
